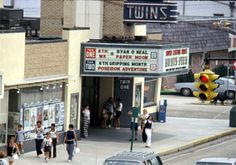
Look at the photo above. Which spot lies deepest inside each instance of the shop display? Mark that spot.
(47, 113)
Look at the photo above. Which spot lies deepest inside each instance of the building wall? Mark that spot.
(69, 14)
(51, 22)
(44, 59)
(75, 38)
(12, 55)
(113, 21)
(1, 3)
(90, 14)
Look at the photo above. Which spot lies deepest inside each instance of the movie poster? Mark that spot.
(45, 115)
(2, 133)
(51, 113)
(57, 113)
(33, 117)
(26, 119)
(61, 117)
(40, 113)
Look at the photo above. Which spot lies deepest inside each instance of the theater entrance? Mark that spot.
(96, 91)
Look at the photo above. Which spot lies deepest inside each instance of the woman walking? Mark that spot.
(86, 121)
(70, 140)
(12, 149)
(39, 139)
(20, 138)
(148, 130)
(54, 136)
(119, 107)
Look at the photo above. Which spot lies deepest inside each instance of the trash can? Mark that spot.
(232, 117)
(162, 112)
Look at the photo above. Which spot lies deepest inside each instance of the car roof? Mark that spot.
(135, 156)
(218, 159)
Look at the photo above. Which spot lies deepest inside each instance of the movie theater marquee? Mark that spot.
(123, 60)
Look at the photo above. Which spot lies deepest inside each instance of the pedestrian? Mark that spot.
(70, 140)
(86, 121)
(3, 160)
(47, 143)
(12, 150)
(148, 130)
(20, 138)
(104, 118)
(143, 119)
(39, 138)
(110, 110)
(54, 136)
(119, 107)
(134, 124)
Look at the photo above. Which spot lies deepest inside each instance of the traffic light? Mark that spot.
(205, 83)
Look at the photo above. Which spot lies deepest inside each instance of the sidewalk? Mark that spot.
(176, 134)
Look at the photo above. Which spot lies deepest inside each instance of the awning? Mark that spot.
(38, 81)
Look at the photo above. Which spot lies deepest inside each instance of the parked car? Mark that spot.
(187, 88)
(134, 158)
(216, 161)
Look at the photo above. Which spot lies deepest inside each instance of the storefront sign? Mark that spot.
(175, 59)
(232, 43)
(150, 12)
(132, 59)
(1, 86)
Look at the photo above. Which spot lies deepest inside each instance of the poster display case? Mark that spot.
(46, 113)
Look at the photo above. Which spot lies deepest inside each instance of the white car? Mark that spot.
(227, 86)
(216, 161)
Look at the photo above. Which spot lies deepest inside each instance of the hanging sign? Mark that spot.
(150, 12)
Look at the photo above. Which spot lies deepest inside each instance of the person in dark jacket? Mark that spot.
(70, 140)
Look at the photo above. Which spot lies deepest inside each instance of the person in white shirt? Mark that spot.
(148, 130)
(47, 142)
(118, 113)
(54, 136)
(86, 121)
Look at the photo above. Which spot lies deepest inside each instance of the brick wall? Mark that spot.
(44, 59)
(51, 18)
(69, 13)
(113, 20)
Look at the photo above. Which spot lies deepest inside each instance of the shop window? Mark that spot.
(3, 118)
(74, 109)
(29, 105)
(149, 92)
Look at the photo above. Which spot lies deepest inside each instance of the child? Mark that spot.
(20, 138)
(47, 142)
(3, 161)
(54, 136)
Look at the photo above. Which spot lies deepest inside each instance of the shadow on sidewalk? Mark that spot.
(120, 135)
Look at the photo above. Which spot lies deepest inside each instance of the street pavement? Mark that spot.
(174, 135)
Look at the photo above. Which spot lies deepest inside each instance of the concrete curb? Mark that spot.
(197, 142)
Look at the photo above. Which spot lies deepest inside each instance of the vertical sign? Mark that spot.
(232, 43)
(1, 86)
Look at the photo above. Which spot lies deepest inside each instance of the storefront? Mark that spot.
(131, 71)
(30, 102)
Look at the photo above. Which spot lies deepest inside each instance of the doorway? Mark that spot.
(90, 96)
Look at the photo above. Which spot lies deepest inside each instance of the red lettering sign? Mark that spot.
(168, 52)
(184, 51)
(90, 52)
